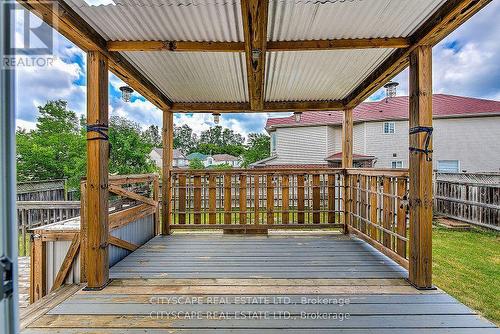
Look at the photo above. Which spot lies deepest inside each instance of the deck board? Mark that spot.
(240, 284)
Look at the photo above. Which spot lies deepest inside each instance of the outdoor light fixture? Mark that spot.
(391, 89)
(297, 115)
(126, 93)
(255, 55)
(216, 117)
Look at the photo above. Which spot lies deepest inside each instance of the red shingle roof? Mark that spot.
(394, 109)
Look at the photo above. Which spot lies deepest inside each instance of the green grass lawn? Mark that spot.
(467, 266)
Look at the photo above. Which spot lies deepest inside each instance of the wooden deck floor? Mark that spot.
(230, 284)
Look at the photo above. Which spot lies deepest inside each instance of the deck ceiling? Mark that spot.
(333, 78)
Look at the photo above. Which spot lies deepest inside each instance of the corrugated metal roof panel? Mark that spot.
(323, 75)
(329, 19)
(183, 20)
(195, 76)
(211, 77)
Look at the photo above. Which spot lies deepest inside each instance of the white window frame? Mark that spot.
(273, 141)
(393, 128)
(396, 162)
(442, 160)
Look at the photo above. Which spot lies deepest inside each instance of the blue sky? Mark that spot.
(465, 63)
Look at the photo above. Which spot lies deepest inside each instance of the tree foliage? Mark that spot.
(196, 164)
(216, 140)
(258, 148)
(56, 148)
(185, 139)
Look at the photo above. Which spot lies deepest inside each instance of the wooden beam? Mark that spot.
(312, 45)
(444, 21)
(67, 262)
(97, 171)
(288, 106)
(242, 107)
(220, 107)
(338, 44)
(420, 270)
(59, 15)
(254, 15)
(176, 46)
(347, 140)
(166, 189)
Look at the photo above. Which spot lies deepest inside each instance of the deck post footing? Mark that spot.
(87, 288)
(425, 288)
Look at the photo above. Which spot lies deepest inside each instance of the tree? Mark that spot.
(196, 164)
(129, 148)
(152, 136)
(56, 149)
(222, 166)
(258, 148)
(185, 139)
(221, 137)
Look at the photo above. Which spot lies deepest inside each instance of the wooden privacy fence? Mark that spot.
(377, 210)
(32, 214)
(246, 199)
(58, 249)
(471, 202)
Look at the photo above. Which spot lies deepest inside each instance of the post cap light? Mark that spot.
(297, 115)
(126, 93)
(216, 117)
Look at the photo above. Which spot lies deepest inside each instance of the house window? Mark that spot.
(397, 164)
(449, 166)
(273, 141)
(389, 127)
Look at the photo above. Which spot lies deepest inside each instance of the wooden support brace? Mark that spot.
(67, 262)
(122, 243)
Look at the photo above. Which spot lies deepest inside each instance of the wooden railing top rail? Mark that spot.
(259, 171)
(127, 179)
(400, 172)
(48, 204)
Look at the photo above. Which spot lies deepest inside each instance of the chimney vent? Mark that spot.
(391, 89)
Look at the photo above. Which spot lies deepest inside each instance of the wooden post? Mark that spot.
(97, 171)
(38, 260)
(166, 189)
(83, 231)
(420, 266)
(156, 198)
(347, 125)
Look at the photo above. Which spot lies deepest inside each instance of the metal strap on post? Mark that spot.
(428, 130)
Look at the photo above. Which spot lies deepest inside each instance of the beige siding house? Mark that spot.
(466, 135)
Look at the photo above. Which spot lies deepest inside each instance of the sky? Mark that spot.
(465, 63)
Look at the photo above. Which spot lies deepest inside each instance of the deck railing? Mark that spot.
(376, 207)
(260, 198)
(377, 210)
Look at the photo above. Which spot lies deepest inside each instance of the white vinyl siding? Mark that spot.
(471, 141)
(387, 148)
(301, 145)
